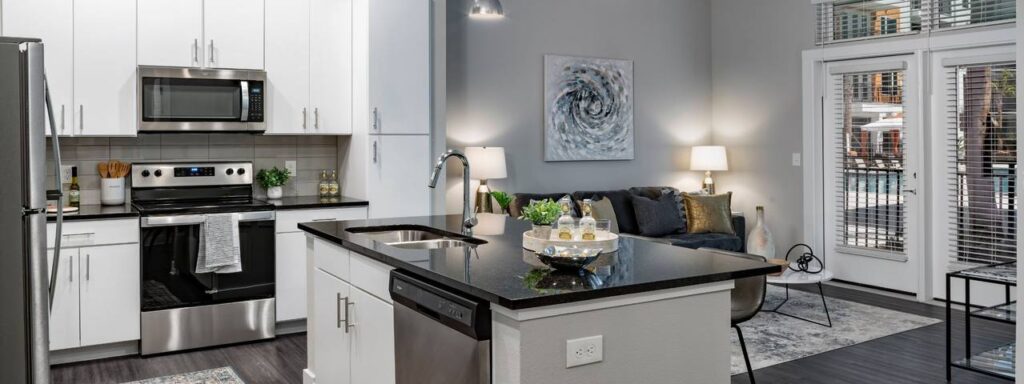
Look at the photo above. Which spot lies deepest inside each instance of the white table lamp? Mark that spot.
(486, 163)
(708, 158)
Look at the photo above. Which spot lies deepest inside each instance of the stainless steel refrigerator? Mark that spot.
(24, 299)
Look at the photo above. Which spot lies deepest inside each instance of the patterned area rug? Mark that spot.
(772, 338)
(223, 375)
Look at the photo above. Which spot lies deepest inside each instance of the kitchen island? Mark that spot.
(662, 312)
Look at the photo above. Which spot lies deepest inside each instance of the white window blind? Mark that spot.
(840, 20)
(869, 108)
(983, 145)
(959, 13)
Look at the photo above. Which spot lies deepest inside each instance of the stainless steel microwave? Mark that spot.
(201, 100)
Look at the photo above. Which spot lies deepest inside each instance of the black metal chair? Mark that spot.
(747, 299)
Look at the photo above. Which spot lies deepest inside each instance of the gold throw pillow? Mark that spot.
(709, 213)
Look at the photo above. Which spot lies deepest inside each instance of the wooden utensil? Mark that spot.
(102, 168)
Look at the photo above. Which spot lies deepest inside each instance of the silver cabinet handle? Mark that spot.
(337, 307)
(71, 269)
(88, 258)
(62, 117)
(348, 322)
(81, 117)
(212, 58)
(195, 51)
(316, 118)
(304, 118)
(375, 152)
(376, 119)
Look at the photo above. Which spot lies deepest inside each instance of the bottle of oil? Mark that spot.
(74, 192)
(588, 225)
(324, 187)
(566, 224)
(333, 186)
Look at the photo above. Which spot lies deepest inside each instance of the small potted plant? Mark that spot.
(541, 213)
(272, 180)
(503, 199)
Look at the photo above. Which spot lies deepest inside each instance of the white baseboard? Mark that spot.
(96, 352)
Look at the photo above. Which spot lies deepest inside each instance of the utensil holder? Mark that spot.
(112, 191)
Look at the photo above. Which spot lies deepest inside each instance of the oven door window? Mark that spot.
(168, 99)
(169, 278)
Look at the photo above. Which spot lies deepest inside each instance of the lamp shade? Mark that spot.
(486, 163)
(708, 158)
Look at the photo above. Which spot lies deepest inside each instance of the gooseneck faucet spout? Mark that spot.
(468, 220)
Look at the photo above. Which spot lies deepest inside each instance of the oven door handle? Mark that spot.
(171, 221)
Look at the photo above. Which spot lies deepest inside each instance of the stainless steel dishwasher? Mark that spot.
(440, 337)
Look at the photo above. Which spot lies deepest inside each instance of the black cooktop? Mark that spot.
(147, 208)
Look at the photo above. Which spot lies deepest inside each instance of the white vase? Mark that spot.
(760, 240)
(275, 192)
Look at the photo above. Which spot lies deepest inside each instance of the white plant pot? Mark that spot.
(760, 240)
(275, 193)
(112, 191)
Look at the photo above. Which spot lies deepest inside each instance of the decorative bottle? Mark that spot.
(333, 186)
(566, 225)
(74, 191)
(760, 240)
(324, 187)
(588, 225)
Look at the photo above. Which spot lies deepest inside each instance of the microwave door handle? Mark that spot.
(245, 100)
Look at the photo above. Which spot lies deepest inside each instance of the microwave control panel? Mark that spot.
(255, 101)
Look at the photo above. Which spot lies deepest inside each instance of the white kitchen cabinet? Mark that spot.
(104, 75)
(288, 77)
(309, 66)
(52, 21)
(233, 30)
(109, 293)
(373, 339)
(333, 339)
(397, 178)
(171, 33)
(291, 276)
(64, 330)
(330, 66)
(399, 66)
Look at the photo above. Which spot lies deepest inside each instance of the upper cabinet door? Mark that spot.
(234, 34)
(104, 74)
(398, 166)
(50, 20)
(400, 66)
(109, 281)
(330, 74)
(171, 33)
(288, 77)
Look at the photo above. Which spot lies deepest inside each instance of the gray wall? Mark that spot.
(311, 153)
(756, 106)
(495, 87)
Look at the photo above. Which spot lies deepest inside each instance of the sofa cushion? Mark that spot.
(520, 200)
(657, 217)
(723, 241)
(657, 192)
(622, 203)
(709, 213)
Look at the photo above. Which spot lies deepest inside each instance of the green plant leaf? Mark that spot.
(273, 177)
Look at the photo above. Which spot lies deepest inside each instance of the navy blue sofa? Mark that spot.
(622, 204)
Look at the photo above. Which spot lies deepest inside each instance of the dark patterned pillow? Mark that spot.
(657, 217)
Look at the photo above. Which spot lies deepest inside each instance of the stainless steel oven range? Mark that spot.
(185, 308)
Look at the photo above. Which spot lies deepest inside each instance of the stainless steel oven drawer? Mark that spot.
(203, 326)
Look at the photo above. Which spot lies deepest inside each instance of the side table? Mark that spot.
(796, 277)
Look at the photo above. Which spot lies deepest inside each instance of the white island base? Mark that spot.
(678, 335)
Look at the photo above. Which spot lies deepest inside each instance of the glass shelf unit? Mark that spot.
(998, 362)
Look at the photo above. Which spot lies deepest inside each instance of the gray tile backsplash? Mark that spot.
(311, 154)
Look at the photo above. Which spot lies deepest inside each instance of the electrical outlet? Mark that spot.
(65, 174)
(290, 166)
(796, 160)
(583, 351)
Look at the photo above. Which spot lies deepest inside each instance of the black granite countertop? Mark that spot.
(502, 272)
(312, 202)
(97, 212)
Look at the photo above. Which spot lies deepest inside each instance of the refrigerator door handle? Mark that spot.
(57, 194)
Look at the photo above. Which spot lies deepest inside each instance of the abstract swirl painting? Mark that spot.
(588, 112)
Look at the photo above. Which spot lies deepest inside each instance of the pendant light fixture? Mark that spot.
(490, 9)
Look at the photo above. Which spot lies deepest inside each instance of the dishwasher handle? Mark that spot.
(469, 316)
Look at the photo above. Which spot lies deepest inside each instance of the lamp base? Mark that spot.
(483, 199)
(708, 186)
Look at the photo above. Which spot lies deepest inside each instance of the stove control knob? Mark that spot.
(241, 171)
(145, 173)
(158, 173)
(230, 171)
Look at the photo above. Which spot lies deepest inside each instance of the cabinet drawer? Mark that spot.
(90, 233)
(371, 276)
(288, 221)
(331, 258)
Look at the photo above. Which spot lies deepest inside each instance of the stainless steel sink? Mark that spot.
(415, 237)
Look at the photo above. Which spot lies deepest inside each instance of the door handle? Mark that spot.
(375, 152)
(71, 268)
(62, 117)
(337, 310)
(81, 118)
(304, 118)
(195, 51)
(914, 191)
(316, 118)
(348, 323)
(212, 58)
(376, 120)
(88, 257)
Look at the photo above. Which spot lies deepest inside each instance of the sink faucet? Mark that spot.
(468, 220)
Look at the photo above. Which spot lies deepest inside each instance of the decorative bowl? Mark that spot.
(568, 258)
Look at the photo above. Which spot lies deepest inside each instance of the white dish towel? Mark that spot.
(218, 245)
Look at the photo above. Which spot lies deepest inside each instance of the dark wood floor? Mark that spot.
(916, 356)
